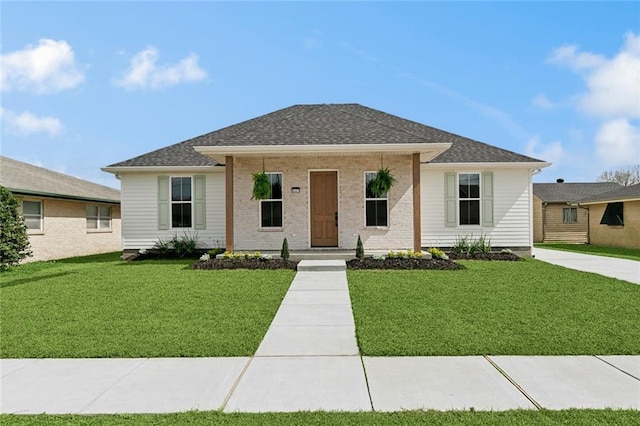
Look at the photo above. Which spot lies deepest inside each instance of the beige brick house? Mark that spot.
(614, 217)
(65, 216)
(320, 160)
(557, 217)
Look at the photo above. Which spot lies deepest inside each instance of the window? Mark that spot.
(98, 217)
(271, 209)
(469, 198)
(181, 202)
(32, 213)
(376, 206)
(570, 214)
(613, 214)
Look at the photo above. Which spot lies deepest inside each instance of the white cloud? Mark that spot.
(618, 143)
(542, 101)
(568, 55)
(612, 94)
(144, 73)
(551, 152)
(48, 67)
(26, 123)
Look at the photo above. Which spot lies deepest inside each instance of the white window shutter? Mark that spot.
(487, 199)
(163, 202)
(450, 200)
(199, 204)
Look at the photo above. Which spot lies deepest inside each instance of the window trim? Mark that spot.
(605, 218)
(171, 202)
(40, 230)
(571, 216)
(386, 198)
(479, 199)
(281, 200)
(99, 219)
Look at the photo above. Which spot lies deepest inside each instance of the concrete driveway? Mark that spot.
(623, 269)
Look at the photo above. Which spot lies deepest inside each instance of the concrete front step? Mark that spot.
(322, 265)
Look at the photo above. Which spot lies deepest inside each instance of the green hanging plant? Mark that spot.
(383, 181)
(261, 186)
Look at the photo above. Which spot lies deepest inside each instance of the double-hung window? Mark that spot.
(99, 217)
(181, 206)
(271, 208)
(376, 206)
(32, 213)
(469, 198)
(570, 215)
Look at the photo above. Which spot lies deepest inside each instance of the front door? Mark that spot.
(324, 209)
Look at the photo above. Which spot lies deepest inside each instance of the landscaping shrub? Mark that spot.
(14, 242)
(284, 252)
(359, 249)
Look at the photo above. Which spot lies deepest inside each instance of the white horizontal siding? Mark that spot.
(140, 212)
(512, 211)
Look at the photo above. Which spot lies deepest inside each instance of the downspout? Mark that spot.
(531, 236)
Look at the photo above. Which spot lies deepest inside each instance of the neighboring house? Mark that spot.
(65, 216)
(614, 217)
(319, 159)
(556, 217)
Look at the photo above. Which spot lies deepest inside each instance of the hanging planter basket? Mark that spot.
(261, 186)
(383, 181)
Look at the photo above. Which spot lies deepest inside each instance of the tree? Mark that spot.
(14, 242)
(625, 177)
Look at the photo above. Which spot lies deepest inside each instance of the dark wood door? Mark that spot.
(324, 209)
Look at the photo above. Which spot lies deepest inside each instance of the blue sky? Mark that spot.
(88, 84)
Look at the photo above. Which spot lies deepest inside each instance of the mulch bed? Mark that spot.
(371, 263)
(276, 263)
(484, 256)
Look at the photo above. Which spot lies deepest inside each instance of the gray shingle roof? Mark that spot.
(325, 124)
(569, 192)
(24, 178)
(631, 192)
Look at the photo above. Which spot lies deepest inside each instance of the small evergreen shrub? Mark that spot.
(14, 241)
(359, 249)
(284, 252)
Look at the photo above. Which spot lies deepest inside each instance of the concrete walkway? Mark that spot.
(309, 360)
(623, 269)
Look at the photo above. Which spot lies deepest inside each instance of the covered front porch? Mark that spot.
(321, 203)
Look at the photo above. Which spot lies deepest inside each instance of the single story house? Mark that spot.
(320, 160)
(614, 217)
(556, 217)
(65, 216)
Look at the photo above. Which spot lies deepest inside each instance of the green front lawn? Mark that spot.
(514, 417)
(620, 252)
(499, 308)
(99, 306)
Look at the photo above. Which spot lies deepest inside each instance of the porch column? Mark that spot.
(417, 219)
(228, 177)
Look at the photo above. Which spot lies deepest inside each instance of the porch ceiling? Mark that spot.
(427, 151)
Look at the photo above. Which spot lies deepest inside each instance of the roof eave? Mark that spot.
(427, 151)
(496, 165)
(40, 194)
(162, 169)
(612, 200)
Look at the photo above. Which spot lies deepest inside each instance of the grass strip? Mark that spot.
(514, 417)
(619, 252)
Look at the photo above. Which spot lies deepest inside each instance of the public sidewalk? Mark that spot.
(309, 360)
(623, 269)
